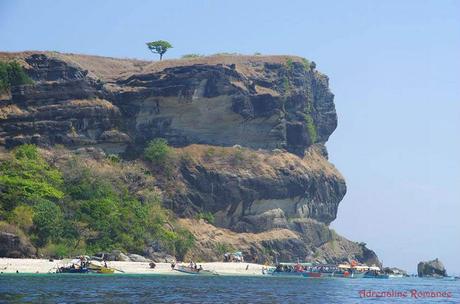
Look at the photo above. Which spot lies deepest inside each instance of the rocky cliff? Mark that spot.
(433, 268)
(249, 131)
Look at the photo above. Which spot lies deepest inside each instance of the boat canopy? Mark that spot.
(293, 264)
(359, 267)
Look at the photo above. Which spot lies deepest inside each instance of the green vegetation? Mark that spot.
(159, 153)
(289, 64)
(27, 178)
(311, 128)
(207, 216)
(191, 56)
(114, 158)
(178, 242)
(286, 80)
(11, 74)
(316, 254)
(78, 208)
(308, 108)
(159, 47)
(306, 63)
(223, 248)
(48, 221)
(286, 85)
(210, 152)
(238, 157)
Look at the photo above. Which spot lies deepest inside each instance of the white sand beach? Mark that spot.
(8, 265)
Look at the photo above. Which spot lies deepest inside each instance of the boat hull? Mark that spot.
(379, 276)
(287, 274)
(72, 270)
(314, 274)
(196, 272)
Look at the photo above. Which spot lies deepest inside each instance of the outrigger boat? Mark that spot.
(72, 269)
(287, 270)
(102, 269)
(307, 270)
(195, 271)
(83, 265)
(321, 271)
(376, 274)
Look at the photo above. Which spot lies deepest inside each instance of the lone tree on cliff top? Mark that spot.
(159, 47)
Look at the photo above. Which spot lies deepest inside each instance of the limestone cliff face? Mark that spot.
(254, 102)
(250, 129)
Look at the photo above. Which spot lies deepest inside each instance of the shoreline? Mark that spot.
(44, 266)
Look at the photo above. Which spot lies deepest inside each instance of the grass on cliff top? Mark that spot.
(240, 160)
(109, 68)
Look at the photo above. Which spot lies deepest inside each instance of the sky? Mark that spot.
(394, 67)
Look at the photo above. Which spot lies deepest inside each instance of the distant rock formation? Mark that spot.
(433, 268)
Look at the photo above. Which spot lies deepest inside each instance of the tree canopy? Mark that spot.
(159, 47)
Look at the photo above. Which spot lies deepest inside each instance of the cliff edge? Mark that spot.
(248, 133)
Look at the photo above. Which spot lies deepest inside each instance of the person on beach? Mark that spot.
(173, 265)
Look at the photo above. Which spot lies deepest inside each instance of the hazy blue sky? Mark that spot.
(394, 67)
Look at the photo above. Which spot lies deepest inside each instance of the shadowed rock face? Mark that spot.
(257, 191)
(13, 246)
(277, 104)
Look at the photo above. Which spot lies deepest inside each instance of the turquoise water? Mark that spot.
(68, 288)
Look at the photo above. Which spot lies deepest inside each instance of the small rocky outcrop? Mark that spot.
(14, 246)
(433, 268)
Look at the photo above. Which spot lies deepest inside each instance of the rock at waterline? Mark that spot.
(15, 246)
(433, 268)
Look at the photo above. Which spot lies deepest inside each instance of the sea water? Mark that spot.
(90, 288)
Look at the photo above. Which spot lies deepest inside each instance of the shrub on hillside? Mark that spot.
(11, 74)
(158, 152)
(207, 216)
(48, 222)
